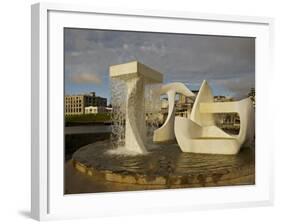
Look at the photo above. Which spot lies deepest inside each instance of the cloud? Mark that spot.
(86, 78)
(238, 87)
(75, 53)
(186, 58)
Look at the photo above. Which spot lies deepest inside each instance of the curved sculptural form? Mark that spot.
(199, 134)
(166, 131)
(135, 75)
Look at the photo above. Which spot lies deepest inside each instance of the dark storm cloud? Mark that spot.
(228, 63)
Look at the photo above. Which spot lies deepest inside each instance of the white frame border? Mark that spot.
(40, 104)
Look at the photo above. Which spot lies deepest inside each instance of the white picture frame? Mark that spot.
(48, 200)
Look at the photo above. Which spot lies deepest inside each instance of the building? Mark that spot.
(109, 109)
(75, 104)
(95, 110)
(222, 99)
(164, 103)
(100, 101)
(227, 121)
(184, 105)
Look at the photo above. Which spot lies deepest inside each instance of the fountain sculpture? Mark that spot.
(136, 76)
(197, 134)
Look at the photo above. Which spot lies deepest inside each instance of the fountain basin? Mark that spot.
(165, 165)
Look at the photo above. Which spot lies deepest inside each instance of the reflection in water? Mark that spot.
(167, 160)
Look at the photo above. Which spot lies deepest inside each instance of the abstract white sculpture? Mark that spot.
(166, 131)
(199, 134)
(135, 75)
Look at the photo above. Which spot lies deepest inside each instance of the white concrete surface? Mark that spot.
(166, 131)
(199, 134)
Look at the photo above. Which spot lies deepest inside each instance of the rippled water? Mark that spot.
(166, 159)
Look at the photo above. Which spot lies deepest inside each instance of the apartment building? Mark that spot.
(75, 104)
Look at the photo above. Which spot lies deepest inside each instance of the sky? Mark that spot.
(227, 63)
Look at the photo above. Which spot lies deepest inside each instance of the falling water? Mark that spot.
(118, 101)
(152, 108)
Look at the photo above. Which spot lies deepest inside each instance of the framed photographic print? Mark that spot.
(148, 111)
